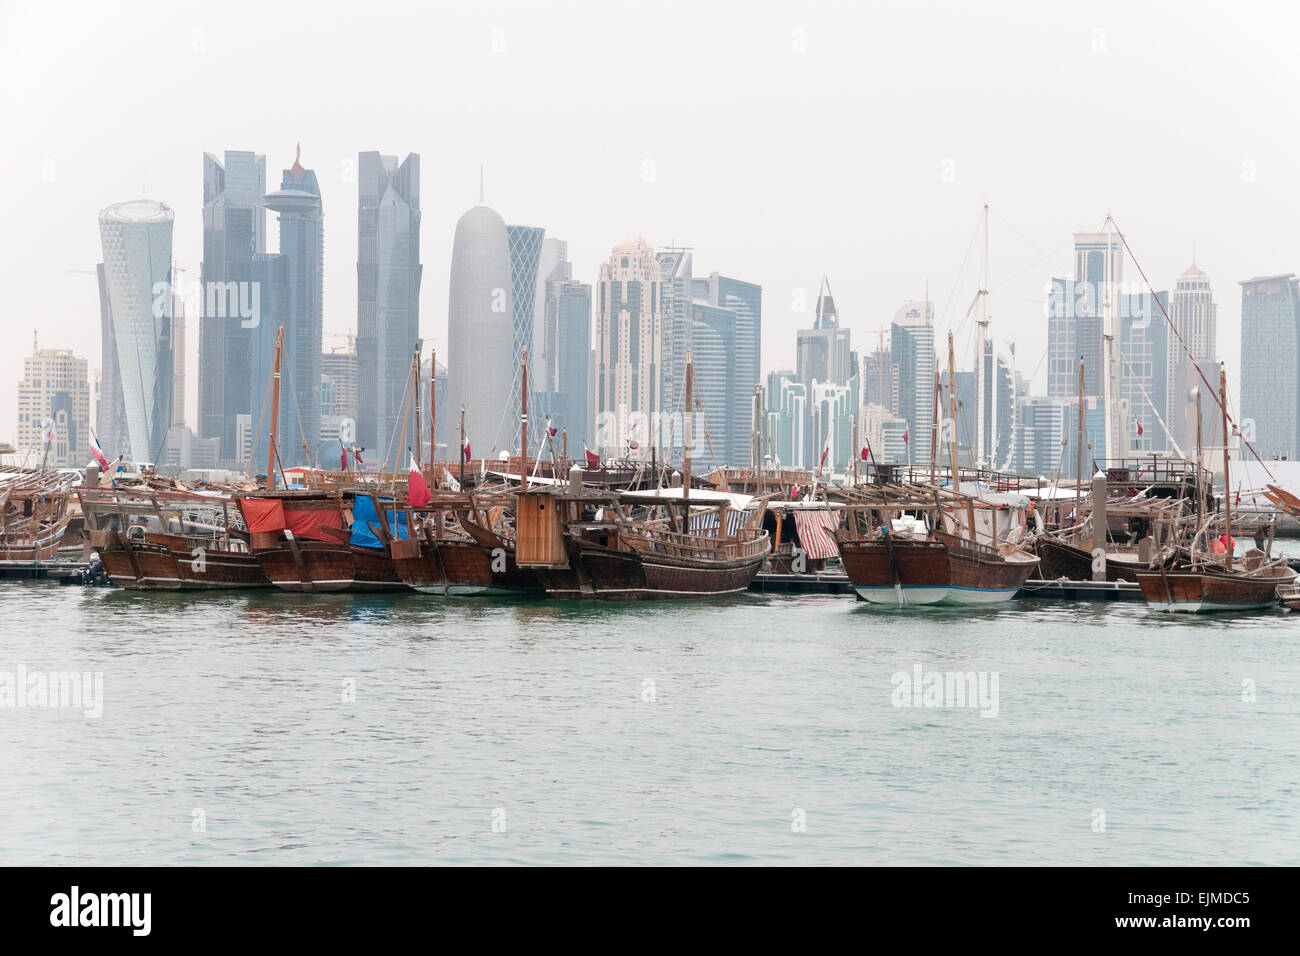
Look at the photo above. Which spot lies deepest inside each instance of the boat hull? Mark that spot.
(601, 573)
(1061, 560)
(165, 563)
(462, 569)
(897, 573)
(1194, 592)
(319, 566)
(980, 575)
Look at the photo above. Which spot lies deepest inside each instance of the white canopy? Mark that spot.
(699, 496)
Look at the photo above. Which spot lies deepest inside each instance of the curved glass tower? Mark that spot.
(135, 310)
(481, 333)
(525, 252)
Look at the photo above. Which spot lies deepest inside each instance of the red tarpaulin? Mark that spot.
(270, 514)
(306, 522)
(263, 514)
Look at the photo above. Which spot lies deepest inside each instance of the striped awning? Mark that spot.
(816, 533)
(707, 521)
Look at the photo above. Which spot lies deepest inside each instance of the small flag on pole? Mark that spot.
(98, 454)
(1139, 424)
(593, 460)
(866, 453)
(825, 451)
(417, 490)
(905, 439)
(464, 450)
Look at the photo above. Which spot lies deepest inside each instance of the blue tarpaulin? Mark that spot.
(363, 516)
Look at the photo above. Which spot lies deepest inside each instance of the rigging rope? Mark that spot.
(1214, 392)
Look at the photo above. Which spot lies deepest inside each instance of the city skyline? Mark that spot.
(763, 207)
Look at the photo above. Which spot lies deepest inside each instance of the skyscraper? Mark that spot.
(712, 348)
(480, 335)
(1270, 365)
(877, 376)
(553, 268)
(298, 201)
(55, 387)
(1193, 312)
(135, 306)
(1040, 428)
(883, 433)
(629, 344)
(786, 403)
(1142, 376)
(911, 355)
(700, 316)
(744, 300)
(234, 231)
(270, 272)
(998, 369)
(525, 252)
(1077, 310)
(823, 356)
(565, 402)
(339, 397)
(831, 414)
(823, 353)
(1098, 260)
(388, 293)
(677, 294)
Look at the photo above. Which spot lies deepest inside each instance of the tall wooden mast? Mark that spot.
(275, 408)
(952, 417)
(690, 421)
(1227, 496)
(416, 377)
(1078, 457)
(433, 409)
(523, 421)
(934, 431)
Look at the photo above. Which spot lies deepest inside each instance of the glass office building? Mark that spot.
(135, 312)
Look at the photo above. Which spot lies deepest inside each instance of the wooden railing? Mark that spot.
(747, 544)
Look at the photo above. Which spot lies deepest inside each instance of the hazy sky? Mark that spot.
(782, 141)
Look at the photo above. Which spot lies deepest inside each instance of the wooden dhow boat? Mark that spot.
(904, 545)
(670, 543)
(1215, 582)
(888, 553)
(1080, 553)
(315, 539)
(179, 540)
(36, 514)
(318, 541)
(456, 545)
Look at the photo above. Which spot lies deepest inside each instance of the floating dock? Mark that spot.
(823, 583)
(58, 568)
(1066, 590)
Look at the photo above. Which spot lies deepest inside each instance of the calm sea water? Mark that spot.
(269, 728)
